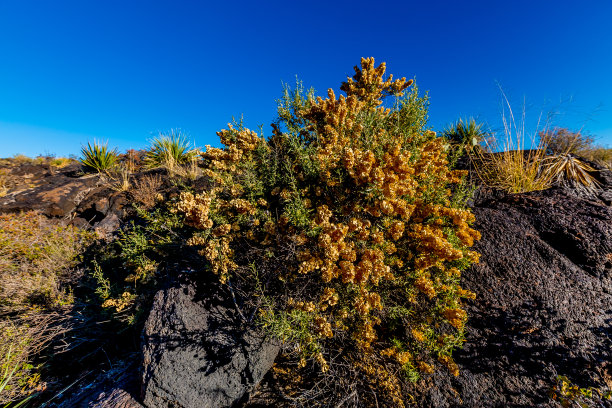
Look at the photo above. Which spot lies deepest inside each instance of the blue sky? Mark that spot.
(122, 71)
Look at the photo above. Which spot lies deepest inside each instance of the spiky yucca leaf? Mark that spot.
(97, 157)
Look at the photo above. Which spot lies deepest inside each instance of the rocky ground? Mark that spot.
(543, 306)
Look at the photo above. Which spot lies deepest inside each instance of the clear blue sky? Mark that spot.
(72, 71)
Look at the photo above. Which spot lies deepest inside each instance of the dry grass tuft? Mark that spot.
(146, 190)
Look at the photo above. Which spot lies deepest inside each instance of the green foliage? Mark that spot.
(124, 272)
(98, 158)
(468, 133)
(170, 150)
(103, 284)
(348, 213)
(570, 395)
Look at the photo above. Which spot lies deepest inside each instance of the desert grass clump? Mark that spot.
(567, 168)
(171, 151)
(340, 236)
(97, 157)
(513, 162)
(59, 162)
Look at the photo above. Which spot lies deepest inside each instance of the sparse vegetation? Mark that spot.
(344, 235)
(35, 257)
(517, 164)
(98, 158)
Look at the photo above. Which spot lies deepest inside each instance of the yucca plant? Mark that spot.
(568, 168)
(97, 157)
(170, 151)
(468, 133)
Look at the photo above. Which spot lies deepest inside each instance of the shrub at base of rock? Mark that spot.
(196, 354)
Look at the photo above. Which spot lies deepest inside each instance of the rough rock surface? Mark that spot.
(544, 305)
(197, 353)
(116, 398)
(114, 388)
(84, 200)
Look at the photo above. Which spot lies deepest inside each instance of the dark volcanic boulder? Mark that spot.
(544, 305)
(197, 352)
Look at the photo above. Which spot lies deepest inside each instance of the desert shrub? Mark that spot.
(132, 160)
(34, 255)
(565, 141)
(22, 159)
(97, 157)
(145, 191)
(170, 151)
(599, 154)
(124, 273)
(3, 183)
(340, 235)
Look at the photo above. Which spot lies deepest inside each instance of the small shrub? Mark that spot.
(565, 141)
(132, 160)
(98, 158)
(599, 154)
(22, 159)
(170, 151)
(124, 272)
(146, 190)
(340, 233)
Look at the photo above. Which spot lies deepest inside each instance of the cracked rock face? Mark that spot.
(543, 306)
(197, 352)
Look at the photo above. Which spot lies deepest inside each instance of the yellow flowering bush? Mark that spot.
(341, 233)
